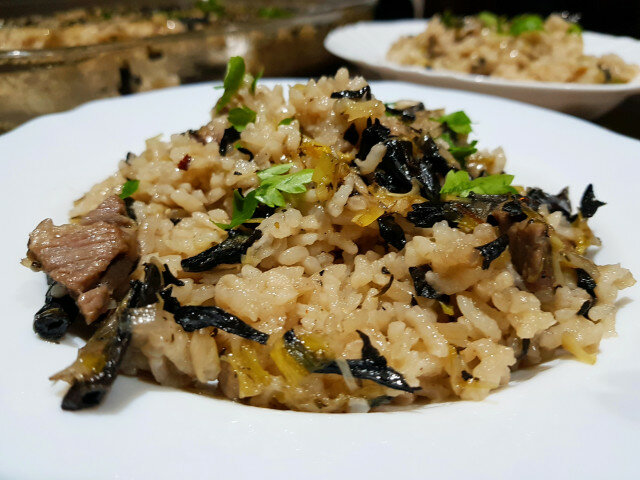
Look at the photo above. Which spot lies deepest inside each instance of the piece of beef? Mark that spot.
(113, 210)
(92, 259)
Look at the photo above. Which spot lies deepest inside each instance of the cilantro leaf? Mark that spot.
(232, 81)
(457, 121)
(210, 6)
(273, 171)
(274, 12)
(459, 183)
(286, 121)
(459, 153)
(489, 19)
(526, 23)
(129, 188)
(243, 209)
(254, 82)
(574, 28)
(239, 118)
(273, 182)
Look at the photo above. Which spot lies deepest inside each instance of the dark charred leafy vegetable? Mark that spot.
(246, 151)
(128, 205)
(145, 292)
(372, 366)
(171, 304)
(589, 204)
(586, 282)
(392, 172)
(229, 251)
(52, 321)
(391, 232)
(423, 289)
(585, 307)
(169, 279)
(229, 136)
(386, 288)
(432, 154)
(351, 134)
(192, 318)
(405, 113)
(466, 376)
(426, 215)
(129, 188)
(514, 210)
(493, 250)
(96, 367)
(554, 203)
(374, 133)
(525, 344)
(363, 93)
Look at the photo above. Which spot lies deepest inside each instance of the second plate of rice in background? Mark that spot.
(547, 62)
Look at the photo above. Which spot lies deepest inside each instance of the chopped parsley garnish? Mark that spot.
(286, 121)
(129, 188)
(239, 118)
(210, 6)
(526, 23)
(254, 82)
(457, 121)
(274, 12)
(232, 81)
(459, 153)
(574, 28)
(450, 20)
(458, 183)
(489, 19)
(273, 182)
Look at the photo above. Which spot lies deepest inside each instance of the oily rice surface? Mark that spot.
(554, 54)
(317, 271)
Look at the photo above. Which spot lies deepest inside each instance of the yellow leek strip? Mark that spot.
(369, 216)
(571, 345)
(293, 372)
(252, 378)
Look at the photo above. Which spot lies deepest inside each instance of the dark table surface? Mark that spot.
(624, 119)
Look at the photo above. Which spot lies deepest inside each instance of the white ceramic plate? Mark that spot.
(367, 43)
(563, 420)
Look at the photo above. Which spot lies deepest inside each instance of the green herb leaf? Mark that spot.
(271, 197)
(239, 118)
(243, 209)
(274, 12)
(232, 81)
(286, 121)
(255, 80)
(450, 20)
(129, 188)
(294, 182)
(274, 171)
(574, 28)
(457, 121)
(210, 6)
(489, 19)
(459, 153)
(459, 183)
(526, 23)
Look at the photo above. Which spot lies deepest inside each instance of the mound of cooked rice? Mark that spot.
(525, 49)
(444, 318)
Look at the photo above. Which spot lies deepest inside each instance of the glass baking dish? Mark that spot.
(39, 81)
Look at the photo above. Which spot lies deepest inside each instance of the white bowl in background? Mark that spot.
(366, 44)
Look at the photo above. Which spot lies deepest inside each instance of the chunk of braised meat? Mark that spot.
(92, 259)
(531, 254)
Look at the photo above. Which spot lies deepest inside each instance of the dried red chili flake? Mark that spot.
(184, 163)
